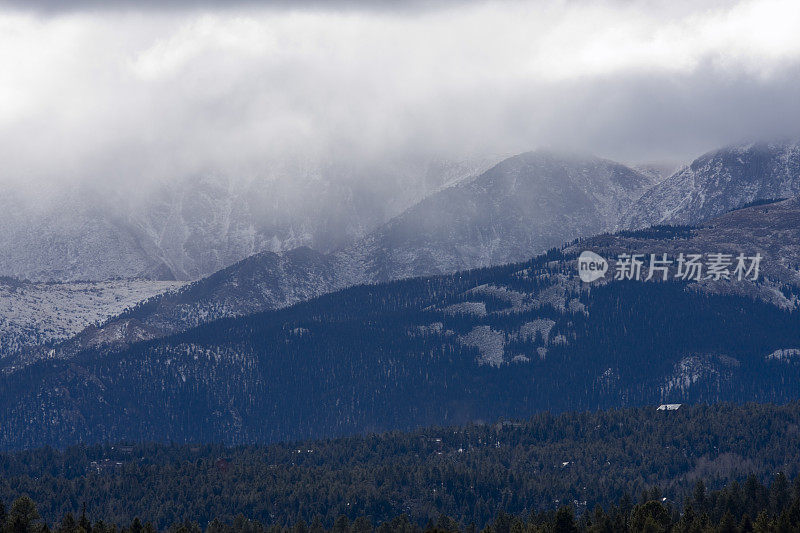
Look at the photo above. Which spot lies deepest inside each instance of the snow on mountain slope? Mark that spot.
(41, 313)
(185, 229)
(203, 225)
(770, 230)
(263, 281)
(719, 181)
(503, 341)
(515, 210)
(69, 236)
(519, 208)
(387, 356)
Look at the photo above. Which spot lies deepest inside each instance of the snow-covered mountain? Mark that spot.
(189, 228)
(70, 236)
(517, 209)
(500, 341)
(520, 207)
(41, 313)
(505, 341)
(719, 181)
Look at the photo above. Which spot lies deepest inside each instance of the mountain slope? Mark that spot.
(503, 341)
(263, 281)
(521, 207)
(45, 313)
(70, 236)
(191, 227)
(719, 181)
(518, 208)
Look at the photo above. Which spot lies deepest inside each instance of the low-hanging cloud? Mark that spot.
(129, 95)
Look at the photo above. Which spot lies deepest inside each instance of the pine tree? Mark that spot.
(68, 524)
(83, 521)
(686, 523)
(746, 525)
(779, 493)
(763, 523)
(23, 516)
(316, 525)
(727, 525)
(362, 524)
(342, 525)
(565, 521)
(699, 496)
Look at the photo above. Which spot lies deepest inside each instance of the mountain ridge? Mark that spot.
(718, 181)
(192, 226)
(487, 219)
(478, 222)
(499, 341)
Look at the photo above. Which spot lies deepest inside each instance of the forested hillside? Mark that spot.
(469, 473)
(776, 508)
(508, 341)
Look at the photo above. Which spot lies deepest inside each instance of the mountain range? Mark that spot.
(188, 228)
(518, 208)
(500, 341)
(307, 343)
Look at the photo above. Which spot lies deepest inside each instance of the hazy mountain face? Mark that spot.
(190, 228)
(517, 209)
(70, 235)
(718, 182)
(521, 207)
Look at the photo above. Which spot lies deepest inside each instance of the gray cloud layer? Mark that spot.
(73, 6)
(137, 94)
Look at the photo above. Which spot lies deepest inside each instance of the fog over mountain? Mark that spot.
(188, 228)
(506, 341)
(243, 222)
(168, 141)
(125, 96)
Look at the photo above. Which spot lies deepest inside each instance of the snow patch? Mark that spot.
(784, 354)
(541, 326)
(490, 343)
(466, 308)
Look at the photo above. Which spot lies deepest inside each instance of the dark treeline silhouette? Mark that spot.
(737, 508)
(469, 473)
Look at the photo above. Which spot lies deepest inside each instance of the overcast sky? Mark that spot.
(135, 91)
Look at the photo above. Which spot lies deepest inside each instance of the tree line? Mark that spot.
(751, 507)
(469, 473)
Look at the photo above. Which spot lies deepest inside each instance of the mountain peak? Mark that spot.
(718, 181)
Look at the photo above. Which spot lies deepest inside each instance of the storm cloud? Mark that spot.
(127, 93)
